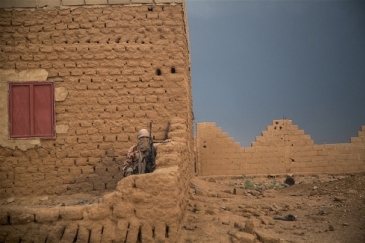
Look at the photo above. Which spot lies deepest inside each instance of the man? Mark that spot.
(140, 157)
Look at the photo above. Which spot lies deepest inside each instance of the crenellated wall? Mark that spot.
(281, 149)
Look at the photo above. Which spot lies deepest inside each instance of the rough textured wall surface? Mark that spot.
(143, 208)
(282, 148)
(116, 68)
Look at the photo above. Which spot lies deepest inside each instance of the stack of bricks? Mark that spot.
(121, 66)
(281, 149)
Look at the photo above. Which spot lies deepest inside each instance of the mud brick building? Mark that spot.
(281, 149)
(114, 67)
(78, 79)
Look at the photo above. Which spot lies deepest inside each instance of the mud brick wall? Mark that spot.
(116, 67)
(143, 208)
(281, 149)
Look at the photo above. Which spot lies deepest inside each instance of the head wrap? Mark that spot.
(143, 133)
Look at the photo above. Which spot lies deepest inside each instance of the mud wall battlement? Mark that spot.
(143, 208)
(281, 149)
(115, 69)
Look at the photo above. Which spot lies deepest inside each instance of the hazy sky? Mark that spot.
(256, 61)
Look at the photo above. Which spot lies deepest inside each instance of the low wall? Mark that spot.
(143, 208)
(282, 148)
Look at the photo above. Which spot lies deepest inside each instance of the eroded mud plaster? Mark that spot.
(10, 75)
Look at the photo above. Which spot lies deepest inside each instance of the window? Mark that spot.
(31, 110)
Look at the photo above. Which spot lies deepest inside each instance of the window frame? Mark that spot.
(32, 134)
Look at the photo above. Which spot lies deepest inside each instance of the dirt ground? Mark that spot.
(316, 209)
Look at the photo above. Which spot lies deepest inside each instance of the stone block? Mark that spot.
(48, 3)
(61, 93)
(356, 140)
(62, 128)
(46, 215)
(141, 1)
(96, 2)
(118, 1)
(20, 217)
(5, 4)
(24, 3)
(71, 212)
(96, 212)
(73, 2)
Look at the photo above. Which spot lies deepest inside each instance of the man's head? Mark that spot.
(143, 140)
(143, 133)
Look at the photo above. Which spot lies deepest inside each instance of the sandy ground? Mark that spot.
(318, 209)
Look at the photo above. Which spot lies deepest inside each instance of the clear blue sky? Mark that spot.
(256, 61)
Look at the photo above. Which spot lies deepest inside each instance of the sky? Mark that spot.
(256, 61)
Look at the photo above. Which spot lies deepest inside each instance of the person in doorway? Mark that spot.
(140, 157)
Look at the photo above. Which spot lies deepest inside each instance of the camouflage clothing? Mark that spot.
(137, 158)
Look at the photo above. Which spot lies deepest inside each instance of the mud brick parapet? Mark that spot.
(281, 149)
(143, 208)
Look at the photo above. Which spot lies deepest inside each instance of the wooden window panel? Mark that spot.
(31, 110)
(20, 111)
(43, 110)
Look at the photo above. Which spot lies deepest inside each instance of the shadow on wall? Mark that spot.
(282, 148)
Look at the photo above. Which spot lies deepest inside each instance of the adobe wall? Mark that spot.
(143, 208)
(116, 66)
(281, 149)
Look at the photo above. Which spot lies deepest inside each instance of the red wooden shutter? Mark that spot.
(43, 110)
(31, 110)
(20, 110)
